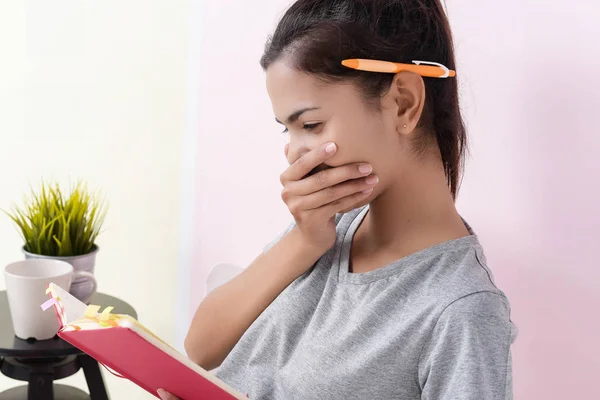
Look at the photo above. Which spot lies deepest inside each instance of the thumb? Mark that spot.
(164, 395)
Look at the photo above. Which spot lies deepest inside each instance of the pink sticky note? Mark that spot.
(48, 304)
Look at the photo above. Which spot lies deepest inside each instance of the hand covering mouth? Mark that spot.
(318, 168)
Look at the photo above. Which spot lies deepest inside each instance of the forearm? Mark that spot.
(227, 312)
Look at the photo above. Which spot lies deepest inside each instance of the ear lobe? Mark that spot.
(409, 92)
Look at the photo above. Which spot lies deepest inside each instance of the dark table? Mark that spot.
(40, 362)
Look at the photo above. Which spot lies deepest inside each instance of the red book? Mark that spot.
(125, 346)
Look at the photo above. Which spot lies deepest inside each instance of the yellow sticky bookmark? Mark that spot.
(91, 311)
(50, 288)
(105, 315)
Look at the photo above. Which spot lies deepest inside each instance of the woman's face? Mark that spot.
(315, 113)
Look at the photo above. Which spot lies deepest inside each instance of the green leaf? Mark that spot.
(54, 223)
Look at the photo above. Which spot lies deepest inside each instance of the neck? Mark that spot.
(414, 213)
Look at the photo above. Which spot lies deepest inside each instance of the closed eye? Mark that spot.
(306, 127)
(310, 127)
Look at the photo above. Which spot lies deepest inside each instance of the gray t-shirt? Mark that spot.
(432, 325)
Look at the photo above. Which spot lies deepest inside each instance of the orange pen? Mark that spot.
(423, 68)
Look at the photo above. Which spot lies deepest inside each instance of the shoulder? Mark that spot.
(459, 284)
(477, 307)
(460, 271)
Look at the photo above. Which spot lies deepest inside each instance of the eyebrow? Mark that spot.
(296, 114)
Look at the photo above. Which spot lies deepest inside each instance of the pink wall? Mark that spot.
(240, 150)
(531, 85)
(529, 72)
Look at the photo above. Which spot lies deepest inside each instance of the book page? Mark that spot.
(72, 308)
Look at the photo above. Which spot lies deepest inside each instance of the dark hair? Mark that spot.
(319, 34)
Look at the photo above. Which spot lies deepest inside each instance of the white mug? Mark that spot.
(26, 283)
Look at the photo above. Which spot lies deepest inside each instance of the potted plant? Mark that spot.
(62, 226)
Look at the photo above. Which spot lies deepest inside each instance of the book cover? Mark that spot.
(130, 350)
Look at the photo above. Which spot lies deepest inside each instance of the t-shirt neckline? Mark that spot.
(396, 267)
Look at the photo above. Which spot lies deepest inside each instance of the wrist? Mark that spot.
(305, 247)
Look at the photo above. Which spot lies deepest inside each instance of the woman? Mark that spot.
(379, 289)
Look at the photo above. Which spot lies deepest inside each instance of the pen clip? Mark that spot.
(442, 66)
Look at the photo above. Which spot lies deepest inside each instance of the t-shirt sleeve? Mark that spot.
(468, 354)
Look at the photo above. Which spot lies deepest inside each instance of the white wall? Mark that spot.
(529, 81)
(97, 90)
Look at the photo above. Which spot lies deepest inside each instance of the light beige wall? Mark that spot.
(97, 90)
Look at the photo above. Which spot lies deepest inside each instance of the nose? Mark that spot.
(296, 148)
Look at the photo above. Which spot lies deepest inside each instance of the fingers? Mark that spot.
(332, 194)
(301, 167)
(346, 203)
(164, 395)
(328, 178)
(315, 198)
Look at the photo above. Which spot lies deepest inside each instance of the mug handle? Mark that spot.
(85, 274)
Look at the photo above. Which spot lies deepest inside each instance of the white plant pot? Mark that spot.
(81, 288)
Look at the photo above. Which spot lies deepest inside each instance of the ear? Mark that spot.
(407, 93)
